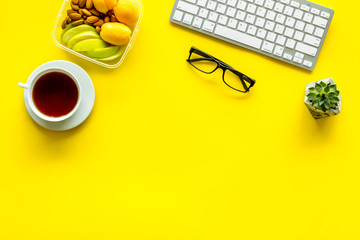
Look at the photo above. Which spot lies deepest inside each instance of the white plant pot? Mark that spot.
(318, 113)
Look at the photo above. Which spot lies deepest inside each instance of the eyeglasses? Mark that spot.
(209, 64)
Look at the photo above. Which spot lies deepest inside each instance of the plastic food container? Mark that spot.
(58, 30)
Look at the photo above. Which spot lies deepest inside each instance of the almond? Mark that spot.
(75, 16)
(78, 22)
(94, 11)
(76, 2)
(82, 3)
(92, 19)
(99, 23)
(70, 11)
(98, 29)
(86, 22)
(89, 4)
(74, 7)
(86, 12)
(113, 19)
(68, 20)
(63, 25)
(107, 19)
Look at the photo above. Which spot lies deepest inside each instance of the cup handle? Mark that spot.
(23, 85)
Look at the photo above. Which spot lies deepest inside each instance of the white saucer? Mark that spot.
(87, 100)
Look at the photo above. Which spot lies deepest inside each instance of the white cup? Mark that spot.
(29, 86)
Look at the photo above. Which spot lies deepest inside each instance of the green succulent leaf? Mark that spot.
(332, 88)
(337, 93)
(323, 108)
(327, 89)
(321, 102)
(311, 96)
(318, 87)
(334, 100)
(323, 84)
(331, 95)
(315, 103)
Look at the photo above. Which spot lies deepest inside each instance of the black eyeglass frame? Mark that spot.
(224, 66)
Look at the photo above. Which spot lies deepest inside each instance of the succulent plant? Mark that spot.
(324, 96)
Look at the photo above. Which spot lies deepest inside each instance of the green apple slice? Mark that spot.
(74, 31)
(103, 52)
(66, 29)
(89, 45)
(82, 36)
(113, 57)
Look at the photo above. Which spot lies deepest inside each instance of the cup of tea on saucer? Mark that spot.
(54, 94)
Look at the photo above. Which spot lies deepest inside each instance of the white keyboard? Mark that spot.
(292, 31)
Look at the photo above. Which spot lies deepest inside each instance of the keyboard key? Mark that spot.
(290, 22)
(288, 56)
(304, 48)
(231, 12)
(238, 36)
(187, 7)
(308, 63)
(285, 1)
(259, 2)
(251, 30)
(221, 8)
(197, 22)
(279, 29)
(298, 36)
(290, 43)
(208, 26)
(309, 28)
(240, 15)
(271, 36)
(269, 25)
(280, 18)
(321, 22)
(260, 22)
(319, 32)
(305, 7)
(279, 7)
(278, 51)
(188, 19)
(269, 4)
(222, 1)
(315, 11)
(211, 5)
(270, 15)
(213, 16)
(288, 11)
(295, 4)
(297, 60)
(202, 3)
(281, 40)
(267, 47)
(242, 26)
(203, 13)
(251, 8)
(289, 32)
(250, 19)
(191, 1)
(178, 15)
(299, 55)
(261, 33)
(308, 17)
(314, 41)
(242, 5)
(232, 3)
(223, 19)
(299, 25)
(298, 14)
(232, 23)
(325, 14)
(261, 12)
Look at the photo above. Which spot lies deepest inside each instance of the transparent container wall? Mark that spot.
(57, 31)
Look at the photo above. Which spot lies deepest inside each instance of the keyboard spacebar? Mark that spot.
(238, 36)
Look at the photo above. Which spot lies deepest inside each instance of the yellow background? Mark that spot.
(171, 153)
